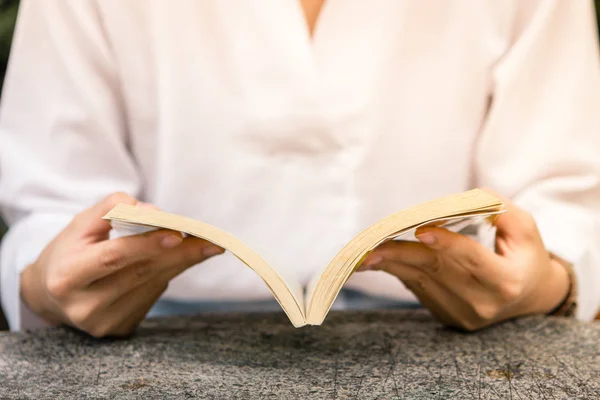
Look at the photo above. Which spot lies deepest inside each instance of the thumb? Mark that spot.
(89, 224)
(516, 226)
(457, 252)
(515, 223)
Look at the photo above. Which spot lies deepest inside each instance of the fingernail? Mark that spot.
(371, 262)
(170, 241)
(146, 205)
(427, 238)
(212, 251)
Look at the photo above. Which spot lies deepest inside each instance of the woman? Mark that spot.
(293, 125)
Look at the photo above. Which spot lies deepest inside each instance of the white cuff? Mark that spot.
(21, 246)
(577, 240)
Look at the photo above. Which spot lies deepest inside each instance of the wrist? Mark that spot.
(568, 305)
(560, 285)
(552, 289)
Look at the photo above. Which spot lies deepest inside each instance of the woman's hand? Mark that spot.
(106, 287)
(468, 286)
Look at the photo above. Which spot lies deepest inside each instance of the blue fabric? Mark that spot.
(346, 300)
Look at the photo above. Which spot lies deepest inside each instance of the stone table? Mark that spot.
(354, 355)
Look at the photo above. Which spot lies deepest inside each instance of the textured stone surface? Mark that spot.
(373, 355)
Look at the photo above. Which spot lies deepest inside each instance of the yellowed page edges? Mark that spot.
(324, 289)
(160, 219)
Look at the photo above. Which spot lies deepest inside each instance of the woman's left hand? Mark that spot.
(468, 286)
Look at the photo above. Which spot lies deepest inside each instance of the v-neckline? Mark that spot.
(332, 69)
(310, 37)
(312, 12)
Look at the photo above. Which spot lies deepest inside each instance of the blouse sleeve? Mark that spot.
(63, 134)
(540, 144)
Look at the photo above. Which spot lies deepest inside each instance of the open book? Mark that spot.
(311, 308)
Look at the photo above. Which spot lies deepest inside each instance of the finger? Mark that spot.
(459, 252)
(414, 254)
(160, 282)
(164, 266)
(129, 321)
(434, 307)
(147, 206)
(405, 252)
(516, 228)
(432, 295)
(516, 224)
(90, 225)
(104, 258)
(123, 316)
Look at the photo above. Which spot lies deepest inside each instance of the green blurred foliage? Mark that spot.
(598, 13)
(8, 16)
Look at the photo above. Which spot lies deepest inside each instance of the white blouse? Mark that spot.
(229, 112)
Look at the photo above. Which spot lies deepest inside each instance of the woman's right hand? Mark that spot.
(106, 287)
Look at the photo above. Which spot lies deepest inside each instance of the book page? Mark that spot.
(454, 209)
(289, 294)
(454, 224)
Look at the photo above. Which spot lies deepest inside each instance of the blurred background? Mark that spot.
(8, 14)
